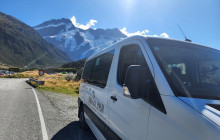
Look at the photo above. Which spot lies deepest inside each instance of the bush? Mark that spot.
(70, 76)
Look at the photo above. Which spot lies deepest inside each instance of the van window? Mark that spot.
(87, 73)
(209, 72)
(96, 71)
(129, 55)
(181, 66)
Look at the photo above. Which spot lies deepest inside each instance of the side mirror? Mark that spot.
(138, 82)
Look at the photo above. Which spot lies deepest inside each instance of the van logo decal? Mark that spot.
(96, 104)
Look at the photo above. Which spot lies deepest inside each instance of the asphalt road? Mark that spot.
(26, 113)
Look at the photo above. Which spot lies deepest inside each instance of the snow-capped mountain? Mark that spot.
(76, 42)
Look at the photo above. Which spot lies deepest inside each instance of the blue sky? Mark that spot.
(200, 20)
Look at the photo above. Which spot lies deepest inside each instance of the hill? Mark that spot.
(22, 46)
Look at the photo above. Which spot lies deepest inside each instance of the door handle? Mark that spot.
(114, 98)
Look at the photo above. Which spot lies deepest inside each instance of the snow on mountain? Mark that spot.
(76, 42)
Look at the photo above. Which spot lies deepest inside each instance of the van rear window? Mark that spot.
(96, 71)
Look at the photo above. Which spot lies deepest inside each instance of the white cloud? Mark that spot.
(91, 22)
(165, 35)
(143, 33)
(124, 31)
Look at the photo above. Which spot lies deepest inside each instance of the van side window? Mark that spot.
(87, 73)
(129, 55)
(96, 71)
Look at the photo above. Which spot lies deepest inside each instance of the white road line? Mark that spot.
(43, 126)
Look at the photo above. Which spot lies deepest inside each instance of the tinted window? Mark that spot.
(209, 72)
(129, 55)
(96, 70)
(87, 73)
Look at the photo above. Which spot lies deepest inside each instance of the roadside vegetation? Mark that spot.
(60, 80)
(3, 66)
(26, 74)
(59, 83)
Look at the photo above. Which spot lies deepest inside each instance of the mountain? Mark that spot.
(76, 42)
(21, 45)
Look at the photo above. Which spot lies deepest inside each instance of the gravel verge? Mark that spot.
(66, 105)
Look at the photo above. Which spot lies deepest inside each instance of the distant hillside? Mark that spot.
(75, 64)
(20, 46)
(76, 42)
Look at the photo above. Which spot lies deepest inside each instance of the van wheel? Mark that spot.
(83, 124)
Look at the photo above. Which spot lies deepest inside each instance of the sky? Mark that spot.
(199, 19)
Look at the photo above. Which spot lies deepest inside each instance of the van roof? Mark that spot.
(137, 37)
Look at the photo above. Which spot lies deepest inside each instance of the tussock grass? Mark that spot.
(60, 85)
(4, 67)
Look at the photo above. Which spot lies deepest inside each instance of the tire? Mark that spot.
(83, 124)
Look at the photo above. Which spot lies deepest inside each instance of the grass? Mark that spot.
(26, 74)
(54, 83)
(58, 83)
(4, 67)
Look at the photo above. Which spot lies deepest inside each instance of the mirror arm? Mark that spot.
(126, 91)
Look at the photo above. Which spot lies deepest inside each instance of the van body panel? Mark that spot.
(205, 107)
(84, 89)
(94, 129)
(123, 119)
(97, 101)
(181, 122)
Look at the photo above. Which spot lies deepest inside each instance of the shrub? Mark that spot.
(70, 76)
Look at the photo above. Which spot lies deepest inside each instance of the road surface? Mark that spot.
(26, 113)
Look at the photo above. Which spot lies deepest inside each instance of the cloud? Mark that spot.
(143, 33)
(91, 22)
(124, 31)
(164, 35)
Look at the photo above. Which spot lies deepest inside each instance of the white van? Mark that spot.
(152, 89)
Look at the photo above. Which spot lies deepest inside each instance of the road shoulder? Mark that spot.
(61, 116)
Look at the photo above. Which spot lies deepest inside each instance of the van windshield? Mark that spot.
(191, 70)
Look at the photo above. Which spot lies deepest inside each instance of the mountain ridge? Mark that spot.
(76, 42)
